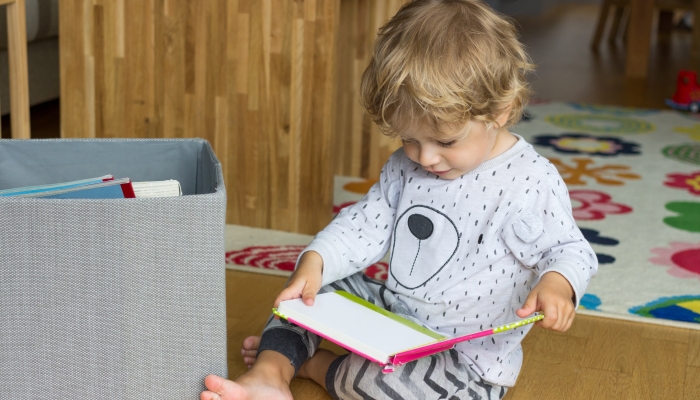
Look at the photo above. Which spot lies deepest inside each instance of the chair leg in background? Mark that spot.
(19, 79)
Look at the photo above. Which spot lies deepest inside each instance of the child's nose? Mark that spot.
(428, 156)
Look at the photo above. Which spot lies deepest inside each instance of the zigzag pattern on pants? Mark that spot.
(441, 376)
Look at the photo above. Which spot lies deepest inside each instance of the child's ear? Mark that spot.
(503, 116)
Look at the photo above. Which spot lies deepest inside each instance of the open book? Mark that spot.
(102, 187)
(372, 332)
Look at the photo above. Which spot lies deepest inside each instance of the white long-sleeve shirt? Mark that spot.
(466, 252)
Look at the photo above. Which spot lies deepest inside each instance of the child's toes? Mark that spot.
(251, 343)
(249, 353)
(250, 349)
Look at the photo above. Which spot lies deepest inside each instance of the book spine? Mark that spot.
(128, 190)
(411, 355)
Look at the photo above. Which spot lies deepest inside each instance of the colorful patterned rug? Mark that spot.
(634, 183)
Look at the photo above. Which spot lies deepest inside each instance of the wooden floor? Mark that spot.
(597, 358)
(567, 70)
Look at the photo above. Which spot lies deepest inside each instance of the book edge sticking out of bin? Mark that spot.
(103, 187)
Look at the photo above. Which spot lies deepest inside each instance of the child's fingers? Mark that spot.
(304, 289)
(308, 295)
(562, 324)
(554, 315)
(287, 293)
(529, 307)
(551, 318)
(309, 298)
(294, 290)
(557, 317)
(568, 318)
(306, 280)
(569, 321)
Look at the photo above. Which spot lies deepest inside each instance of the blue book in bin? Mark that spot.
(103, 187)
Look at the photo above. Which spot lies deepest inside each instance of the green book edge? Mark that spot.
(391, 315)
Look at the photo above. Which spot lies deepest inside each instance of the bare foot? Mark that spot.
(319, 362)
(314, 368)
(268, 379)
(249, 350)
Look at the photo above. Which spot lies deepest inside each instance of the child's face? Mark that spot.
(457, 150)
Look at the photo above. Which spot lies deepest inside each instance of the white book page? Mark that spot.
(372, 332)
(165, 188)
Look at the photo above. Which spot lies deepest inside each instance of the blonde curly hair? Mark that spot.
(445, 62)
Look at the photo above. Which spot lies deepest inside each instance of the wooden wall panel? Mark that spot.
(360, 149)
(73, 61)
(254, 77)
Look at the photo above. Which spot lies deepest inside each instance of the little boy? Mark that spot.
(479, 226)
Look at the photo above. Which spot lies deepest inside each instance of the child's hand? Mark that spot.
(553, 297)
(306, 280)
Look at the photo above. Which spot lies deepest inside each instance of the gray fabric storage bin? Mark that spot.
(111, 298)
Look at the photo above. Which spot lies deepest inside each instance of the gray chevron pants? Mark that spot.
(440, 376)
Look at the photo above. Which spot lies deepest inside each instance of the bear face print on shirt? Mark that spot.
(424, 242)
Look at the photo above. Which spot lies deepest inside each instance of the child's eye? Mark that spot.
(446, 144)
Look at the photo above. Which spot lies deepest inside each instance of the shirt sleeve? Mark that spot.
(544, 237)
(360, 234)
